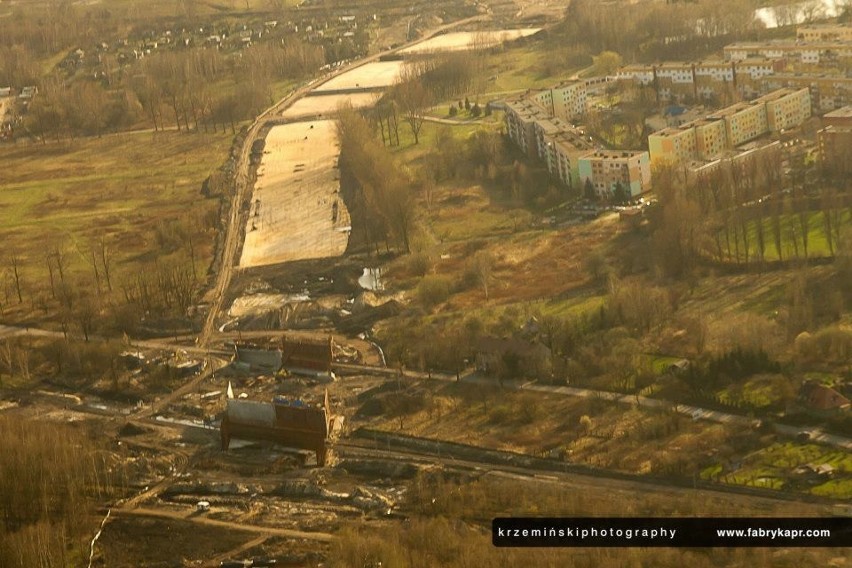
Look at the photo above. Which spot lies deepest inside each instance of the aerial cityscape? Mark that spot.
(317, 283)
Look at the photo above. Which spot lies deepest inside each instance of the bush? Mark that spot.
(831, 345)
(420, 263)
(433, 290)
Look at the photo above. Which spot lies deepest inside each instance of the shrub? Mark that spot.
(420, 263)
(433, 290)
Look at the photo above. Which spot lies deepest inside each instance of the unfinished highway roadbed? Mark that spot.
(296, 210)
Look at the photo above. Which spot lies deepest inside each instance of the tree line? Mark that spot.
(83, 288)
(193, 90)
(745, 208)
(654, 31)
(379, 195)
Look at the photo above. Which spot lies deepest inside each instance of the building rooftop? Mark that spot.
(812, 76)
(527, 108)
(731, 110)
(614, 154)
(832, 26)
(845, 112)
(775, 95)
(788, 43)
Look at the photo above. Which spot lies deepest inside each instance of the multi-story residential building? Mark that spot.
(835, 149)
(711, 138)
(824, 32)
(606, 169)
(702, 79)
(828, 92)
(673, 145)
(559, 146)
(521, 116)
(641, 74)
(545, 129)
(840, 118)
(743, 122)
(539, 124)
(751, 151)
(566, 101)
(706, 138)
(822, 52)
(564, 151)
(786, 108)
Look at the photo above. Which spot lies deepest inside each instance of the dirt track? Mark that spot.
(202, 520)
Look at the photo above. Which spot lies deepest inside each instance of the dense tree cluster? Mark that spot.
(53, 475)
(744, 209)
(657, 30)
(195, 87)
(379, 191)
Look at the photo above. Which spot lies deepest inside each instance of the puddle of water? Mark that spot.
(371, 280)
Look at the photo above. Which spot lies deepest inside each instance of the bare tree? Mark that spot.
(15, 262)
(482, 266)
(85, 315)
(105, 256)
(7, 359)
(413, 99)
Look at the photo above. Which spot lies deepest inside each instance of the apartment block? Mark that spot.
(822, 52)
(607, 168)
(559, 146)
(641, 74)
(828, 92)
(566, 101)
(673, 145)
(786, 108)
(706, 138)
(539, 123)
(835, 149)
(702, 79)
(711, 138)
(840, 118)
(743, 122)
(521, 116)
(824, 32)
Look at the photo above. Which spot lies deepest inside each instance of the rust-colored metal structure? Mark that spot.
(296, 355)
(313, 356)
(289, 423)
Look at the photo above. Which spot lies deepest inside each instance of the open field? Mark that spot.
(460, 41)
(296, 209)
(68, 194)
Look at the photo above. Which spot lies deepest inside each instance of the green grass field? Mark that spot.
(120, 186)
(790, 247)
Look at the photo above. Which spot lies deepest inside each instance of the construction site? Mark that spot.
(280, 428)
